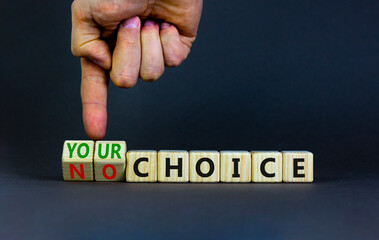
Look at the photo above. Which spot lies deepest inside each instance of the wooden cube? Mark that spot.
(266, 166)
(235, 166)
(77, 160)
(173, 166)
(141, 166)
(204, 166)
(109, 160)
(297, 166)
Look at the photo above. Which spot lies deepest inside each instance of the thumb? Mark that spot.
(85, 38)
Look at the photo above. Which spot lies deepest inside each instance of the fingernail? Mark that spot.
(165, 25)
(149, 23)
(130, 23)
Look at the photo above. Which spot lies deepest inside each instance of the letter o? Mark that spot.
(87, 150)
(105, 171)
(211, 167)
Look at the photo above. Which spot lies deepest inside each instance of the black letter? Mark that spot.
(169, 167)
(211, 167)
(135, 167)
(296, 167)
(263, 167)
(236, 161)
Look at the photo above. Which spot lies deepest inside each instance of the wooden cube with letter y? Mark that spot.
(297, 166)
(109, 160)
(77, 160)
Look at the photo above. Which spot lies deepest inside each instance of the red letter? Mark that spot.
(73, 168)
(105, 171)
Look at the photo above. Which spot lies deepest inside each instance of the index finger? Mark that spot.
(94, 89)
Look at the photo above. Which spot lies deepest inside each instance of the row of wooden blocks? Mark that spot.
(110, 161)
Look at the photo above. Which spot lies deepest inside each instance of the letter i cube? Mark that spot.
(235, 166)
(109, 160)
(77, 160)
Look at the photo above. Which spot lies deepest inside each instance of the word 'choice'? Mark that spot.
(110, 161)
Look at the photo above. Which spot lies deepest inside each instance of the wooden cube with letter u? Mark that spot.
(77, 160)
(109, 160)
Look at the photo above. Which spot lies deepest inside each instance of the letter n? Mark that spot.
(73, 168)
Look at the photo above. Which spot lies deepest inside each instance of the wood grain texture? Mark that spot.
(110, 161)
(173, 157)
(77, 160)
(266, 166)
(201, 162)
(230, 159)
(147, 164)
(297, 166)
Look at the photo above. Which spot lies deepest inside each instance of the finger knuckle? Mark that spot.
(131, 40)
(74, 6)
(174, 60)
(75, 51)
(110, 7)
(97, 78)
(95, 104)
(151, 74)
(123, 80)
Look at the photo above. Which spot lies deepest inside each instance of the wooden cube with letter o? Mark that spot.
(110, 161)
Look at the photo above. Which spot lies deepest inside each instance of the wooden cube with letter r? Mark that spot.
(77, 160)
(110, 160)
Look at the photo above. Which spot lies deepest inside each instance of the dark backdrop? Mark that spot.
(262, 75)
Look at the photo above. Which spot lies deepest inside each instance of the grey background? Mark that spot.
(276, 75)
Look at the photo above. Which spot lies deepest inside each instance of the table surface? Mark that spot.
(49, 208)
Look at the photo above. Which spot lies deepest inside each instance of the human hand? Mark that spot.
(164, 38)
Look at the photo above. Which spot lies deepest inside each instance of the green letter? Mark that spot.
(71, 150)
(87, 150)
(106, 151)
(116, 151)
